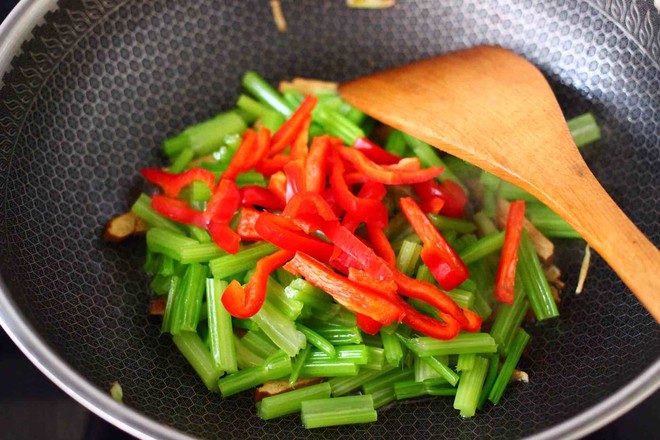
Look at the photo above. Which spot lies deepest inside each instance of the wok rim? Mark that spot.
(16, 28)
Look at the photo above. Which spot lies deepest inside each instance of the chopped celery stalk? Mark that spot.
(246, 116)
(275, 294)
(335, 411)
(243, 260)
(424, 274)
(397, 227)
(439, 364)
(344, 385)
(199, 234)
(389, 379)
(220, 328)
(160, 284)
(275, 367)
(423, 307)
(509, 318)
(409, 389)
(482, 247)
(463, 343)
(423, 370)
(452, 224)
(265, 93)
(517, 347)
(493, 367)
(344, 318)
(167, 242)
(301, 360)
(284, 277)
(244, 357)
(549, 223)
(182, 160)
(208, 136)
(338, 334)
(509, 191)
(259, 344)
(151, 262)
(480, 305)
(195, 352)
(392, 347)
(489, 202)
(200, 253)
(175, 144)
(462, 297)
(357, 354)
(329, 368)
(429, 157)
(250, 178)
(189, 301)
(172, 294)
(291, 401)
(372, 340)
(408, 257)
(198, 192)
(281, 330)
(246, 324)
(584, 129)
(484, 274)
(142, 208)
(252, 106)
(485, 225)
(469, 387)
(466, 362)
(534, 281)
(301, 290)
(317, 340)
(376, 358)
(490, 181)
(383, 397)
(396, 144)
(461, 168)
(336, 124)
(293, 97)
(465, 241)
(272, 121)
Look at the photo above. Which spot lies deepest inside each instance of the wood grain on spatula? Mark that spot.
(495, 109)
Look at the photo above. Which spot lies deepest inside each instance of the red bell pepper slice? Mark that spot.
(243, 155)
(225, 200)
(316, 163)
(277, 186)
(442, 260)
(355, 178)
(329, 198)
(346, 292)
(506, 270)
(309, 210)
(386, 287)
(370, 190)
(381, 244)
(300, 149)
(429, 326)
(474, 321)
(375, 153)
(292, 127)
(224, 236)
(368, 210)
(450, 192)
(367, 325)
(253, 195)
(389, 174)
(433, 205)
(261, 150)
(282, 232)
(270, 166)
(295, 178)
(172, 183)
(245, 228)
(177, 210)
(246, 302)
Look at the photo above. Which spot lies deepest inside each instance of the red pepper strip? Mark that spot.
(295, 178)
(430, 326)
(370, 190)
(177, 210)
(405, 164)
(386, 287)
(316, 163)
(381, 244)
(433, 205)
(272, 165)
(367, 210)
(442, 260)
(309, 210)
(242, 156)
(474, 321)
(224, 236)
(506, 270)
(387, 176)
(329, 198)
(282, 232)
(430, 294)
(299, 149)
(277, 186)
(261, 150)
(172, 184)
(253, 195)
(367, 325)
(341, 261)
(224, 202)
(453, 195)
(245, 228)
(375, 153)
(364, 257)
(355, 177)
(346, 292)
(245, 303)
(292, 127)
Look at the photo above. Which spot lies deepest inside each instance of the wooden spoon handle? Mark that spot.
(586, 206)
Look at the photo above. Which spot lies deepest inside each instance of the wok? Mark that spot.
(91, 88)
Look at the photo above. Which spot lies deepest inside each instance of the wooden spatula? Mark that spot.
(495, 109)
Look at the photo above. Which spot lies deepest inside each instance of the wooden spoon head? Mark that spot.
(486, 105)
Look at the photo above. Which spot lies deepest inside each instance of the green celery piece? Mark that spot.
(220, 328)
(142, 208)
(194, 350)
(335, 411)
(291, 401)
(469, 387)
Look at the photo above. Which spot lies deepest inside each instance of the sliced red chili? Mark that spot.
(292, 127)
(506, 270)
(295, 178)
(370, 190)
(368, 210)
(282, 232)
(451, 193)
(253, 195)
(246, 226)
(300, 149)
(225, 200)
(386, 287)
(374, 152)
(242, 156)
(277, 186)
(316, 163)
(177, 210)
(271, 165)
(367, 325)
(224, 236)
(381, 244)
(261, 150)
(309, 210)
(172, 183)
(446, 329)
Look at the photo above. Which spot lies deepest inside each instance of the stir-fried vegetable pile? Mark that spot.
(300, 256)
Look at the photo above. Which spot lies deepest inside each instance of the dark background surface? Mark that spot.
(32, 407)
